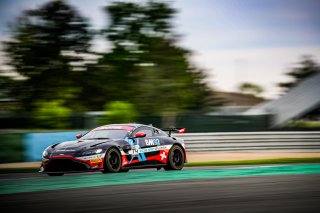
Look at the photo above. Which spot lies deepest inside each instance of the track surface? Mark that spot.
(27, 175)
(278, 193)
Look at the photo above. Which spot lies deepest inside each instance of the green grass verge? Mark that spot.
(207, 163)
(311, 124)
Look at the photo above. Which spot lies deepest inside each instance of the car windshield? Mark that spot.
(106, 134)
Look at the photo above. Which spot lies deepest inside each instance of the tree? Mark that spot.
(119, 112)
(305, 68)
(52, 114)
(7, 103)
(46, 44)
(146, 65)
(250, 88)
(6, 84)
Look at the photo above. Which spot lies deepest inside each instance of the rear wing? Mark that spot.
(174, 129)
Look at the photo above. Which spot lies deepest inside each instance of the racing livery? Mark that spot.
(116, 148)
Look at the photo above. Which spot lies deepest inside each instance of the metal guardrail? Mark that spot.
(252, 142)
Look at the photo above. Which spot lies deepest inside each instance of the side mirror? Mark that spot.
(140, 135)
(79, 136)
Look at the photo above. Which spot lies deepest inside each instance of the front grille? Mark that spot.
(65, 165)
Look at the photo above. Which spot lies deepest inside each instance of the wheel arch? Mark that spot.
(113, 146)
(110, 147)
(184, 150)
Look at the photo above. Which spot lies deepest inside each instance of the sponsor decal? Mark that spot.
(98, 160)
(136, 150)
(163, 155)
(92, 157)
(124, 162)
(94, 167)
(65, 150)
(152, 142)
(149, 149)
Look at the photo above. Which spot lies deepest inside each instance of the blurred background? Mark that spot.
(209, 66)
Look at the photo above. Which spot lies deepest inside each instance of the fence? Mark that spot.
(253, 141)
(29, 146)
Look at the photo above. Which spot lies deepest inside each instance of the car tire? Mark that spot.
(175, 158)
(112, 161)
(55, 174)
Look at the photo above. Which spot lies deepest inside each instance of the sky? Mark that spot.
(234, 41)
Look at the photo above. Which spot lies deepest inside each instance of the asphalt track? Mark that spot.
(291, 188)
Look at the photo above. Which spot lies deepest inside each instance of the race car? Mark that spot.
(116, 148)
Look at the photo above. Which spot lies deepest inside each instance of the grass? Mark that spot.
(311, 124)
(206, 163)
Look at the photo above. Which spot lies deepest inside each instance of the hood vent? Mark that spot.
(99, 143)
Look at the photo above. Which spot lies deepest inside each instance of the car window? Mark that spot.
(146, 130)
(110, 134)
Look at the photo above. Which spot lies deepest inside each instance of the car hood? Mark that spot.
(78, 145)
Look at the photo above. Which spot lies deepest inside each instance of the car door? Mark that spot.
(151, 145)
(141, 141)
(142, 146)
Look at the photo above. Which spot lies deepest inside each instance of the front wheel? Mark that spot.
(112, 161)
(175, 158)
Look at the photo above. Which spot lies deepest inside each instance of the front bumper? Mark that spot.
(67, 164)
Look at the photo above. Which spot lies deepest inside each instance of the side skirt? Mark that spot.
(145, 166)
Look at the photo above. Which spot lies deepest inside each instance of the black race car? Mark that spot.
(116, 148)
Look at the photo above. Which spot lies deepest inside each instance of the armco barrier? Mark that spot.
(35, 143)
(253, 141)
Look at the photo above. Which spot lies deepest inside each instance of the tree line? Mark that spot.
(51, 48)
(145, 69)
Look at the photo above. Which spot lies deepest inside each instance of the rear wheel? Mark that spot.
(112, 162)
(175, 159)
(55, 174)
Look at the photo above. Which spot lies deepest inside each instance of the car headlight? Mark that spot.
(45, 154)
(92, 152)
